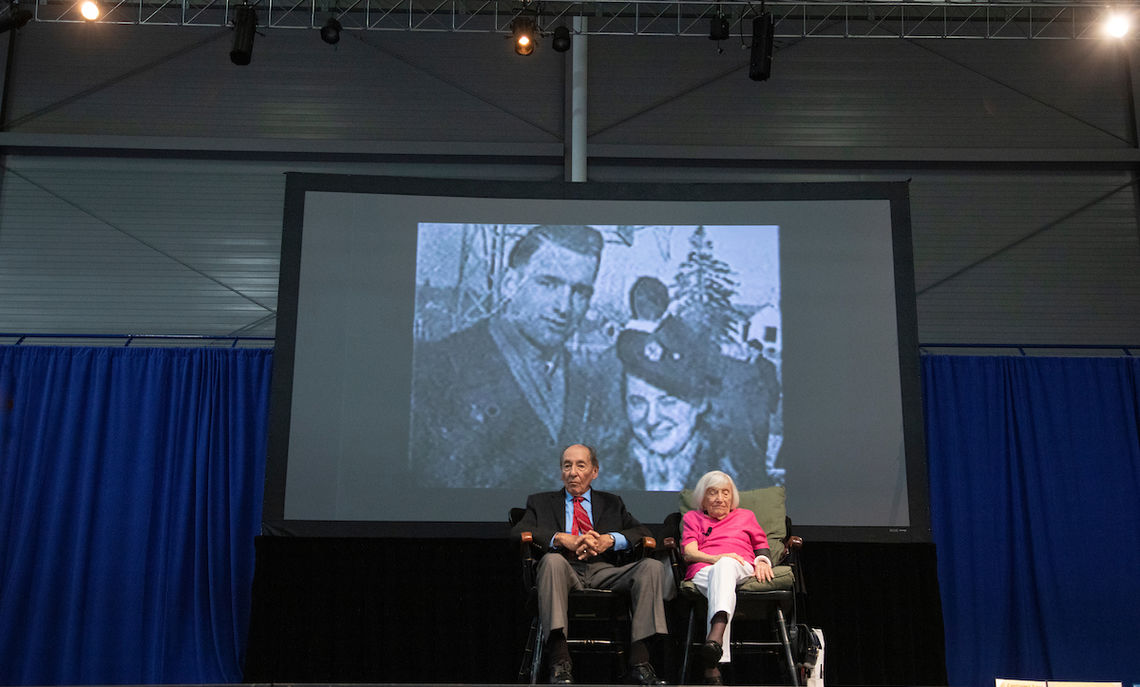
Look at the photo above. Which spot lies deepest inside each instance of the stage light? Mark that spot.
(245, 28)
(14, 19)
(561, 40)
(1117, 25)
(525, 35)
(760, 59)
(330, 32)
(719, 28)
(90, 10)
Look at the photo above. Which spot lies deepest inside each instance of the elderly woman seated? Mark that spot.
(723, 545)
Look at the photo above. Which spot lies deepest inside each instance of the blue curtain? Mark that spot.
(130, 495)
(1035, 500)
(131, 481)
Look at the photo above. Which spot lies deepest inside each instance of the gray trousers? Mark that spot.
(648, 583)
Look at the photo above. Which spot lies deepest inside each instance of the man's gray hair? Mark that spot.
(590, 453)
(718, 479)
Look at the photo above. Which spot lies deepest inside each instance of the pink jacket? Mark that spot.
(738, 533)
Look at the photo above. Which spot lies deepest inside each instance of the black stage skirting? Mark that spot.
(350, 610)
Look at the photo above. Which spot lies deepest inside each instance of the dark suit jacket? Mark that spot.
(473, 427)
(546, 515)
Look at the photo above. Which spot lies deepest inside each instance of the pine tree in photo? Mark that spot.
(703, 289)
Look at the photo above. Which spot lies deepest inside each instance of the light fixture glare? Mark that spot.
(89, 10)
(1117, 25)
(523, 29)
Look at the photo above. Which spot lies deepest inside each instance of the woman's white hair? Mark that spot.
(715, 478)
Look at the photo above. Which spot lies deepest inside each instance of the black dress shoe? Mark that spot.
(711, 652)
(642, 674)
(560, 673)
(714, 679)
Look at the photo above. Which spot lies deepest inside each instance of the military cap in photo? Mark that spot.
(673, 358)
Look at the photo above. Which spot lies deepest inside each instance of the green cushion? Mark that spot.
(782, 578)
(769, 505)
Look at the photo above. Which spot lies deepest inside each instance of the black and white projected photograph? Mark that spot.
(442, 341)
(659, 345)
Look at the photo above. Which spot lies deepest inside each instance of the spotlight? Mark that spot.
(245, 28)
(524, 31)
(89, 10)
(330, 32)
(1117, 25)
(14, 19)
(561, 41)
(760, 60)
(719, 28)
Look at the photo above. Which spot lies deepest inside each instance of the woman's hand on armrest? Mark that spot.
(763, 570)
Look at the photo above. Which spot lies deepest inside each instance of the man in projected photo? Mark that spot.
(583, 530)
(748, 398)
(668, 378)
(490, 399)
(648, 301)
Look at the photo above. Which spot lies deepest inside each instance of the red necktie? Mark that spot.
(582, 522)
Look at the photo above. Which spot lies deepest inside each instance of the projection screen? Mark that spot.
(440, 341)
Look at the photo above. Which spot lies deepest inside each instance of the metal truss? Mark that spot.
(868, 19)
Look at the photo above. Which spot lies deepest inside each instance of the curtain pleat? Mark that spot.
(1035, 504)
(130, 496)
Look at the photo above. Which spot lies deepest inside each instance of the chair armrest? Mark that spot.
(671, 528)
(792, 546)
(528, 557)
(529, 549)
(643, 548)
(676, 559)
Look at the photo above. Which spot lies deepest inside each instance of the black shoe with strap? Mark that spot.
(642, 674)
(711, 652)
(561, 673)
(714, 679)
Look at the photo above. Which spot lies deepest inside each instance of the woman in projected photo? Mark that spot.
(667, 379)
(724, 545)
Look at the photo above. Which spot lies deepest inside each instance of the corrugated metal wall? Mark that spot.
(859, 94)
(373, 86)
(143, 186)
(139, 246)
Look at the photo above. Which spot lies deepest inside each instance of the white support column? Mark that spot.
(576, 148)
(1128, 60)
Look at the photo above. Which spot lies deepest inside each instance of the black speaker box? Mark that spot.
(760, 63)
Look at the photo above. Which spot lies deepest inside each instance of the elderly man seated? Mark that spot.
(724, 545)
(583, 529)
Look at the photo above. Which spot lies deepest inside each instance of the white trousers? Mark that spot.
(718, 583)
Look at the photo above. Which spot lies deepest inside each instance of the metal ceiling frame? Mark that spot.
(793, 19)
